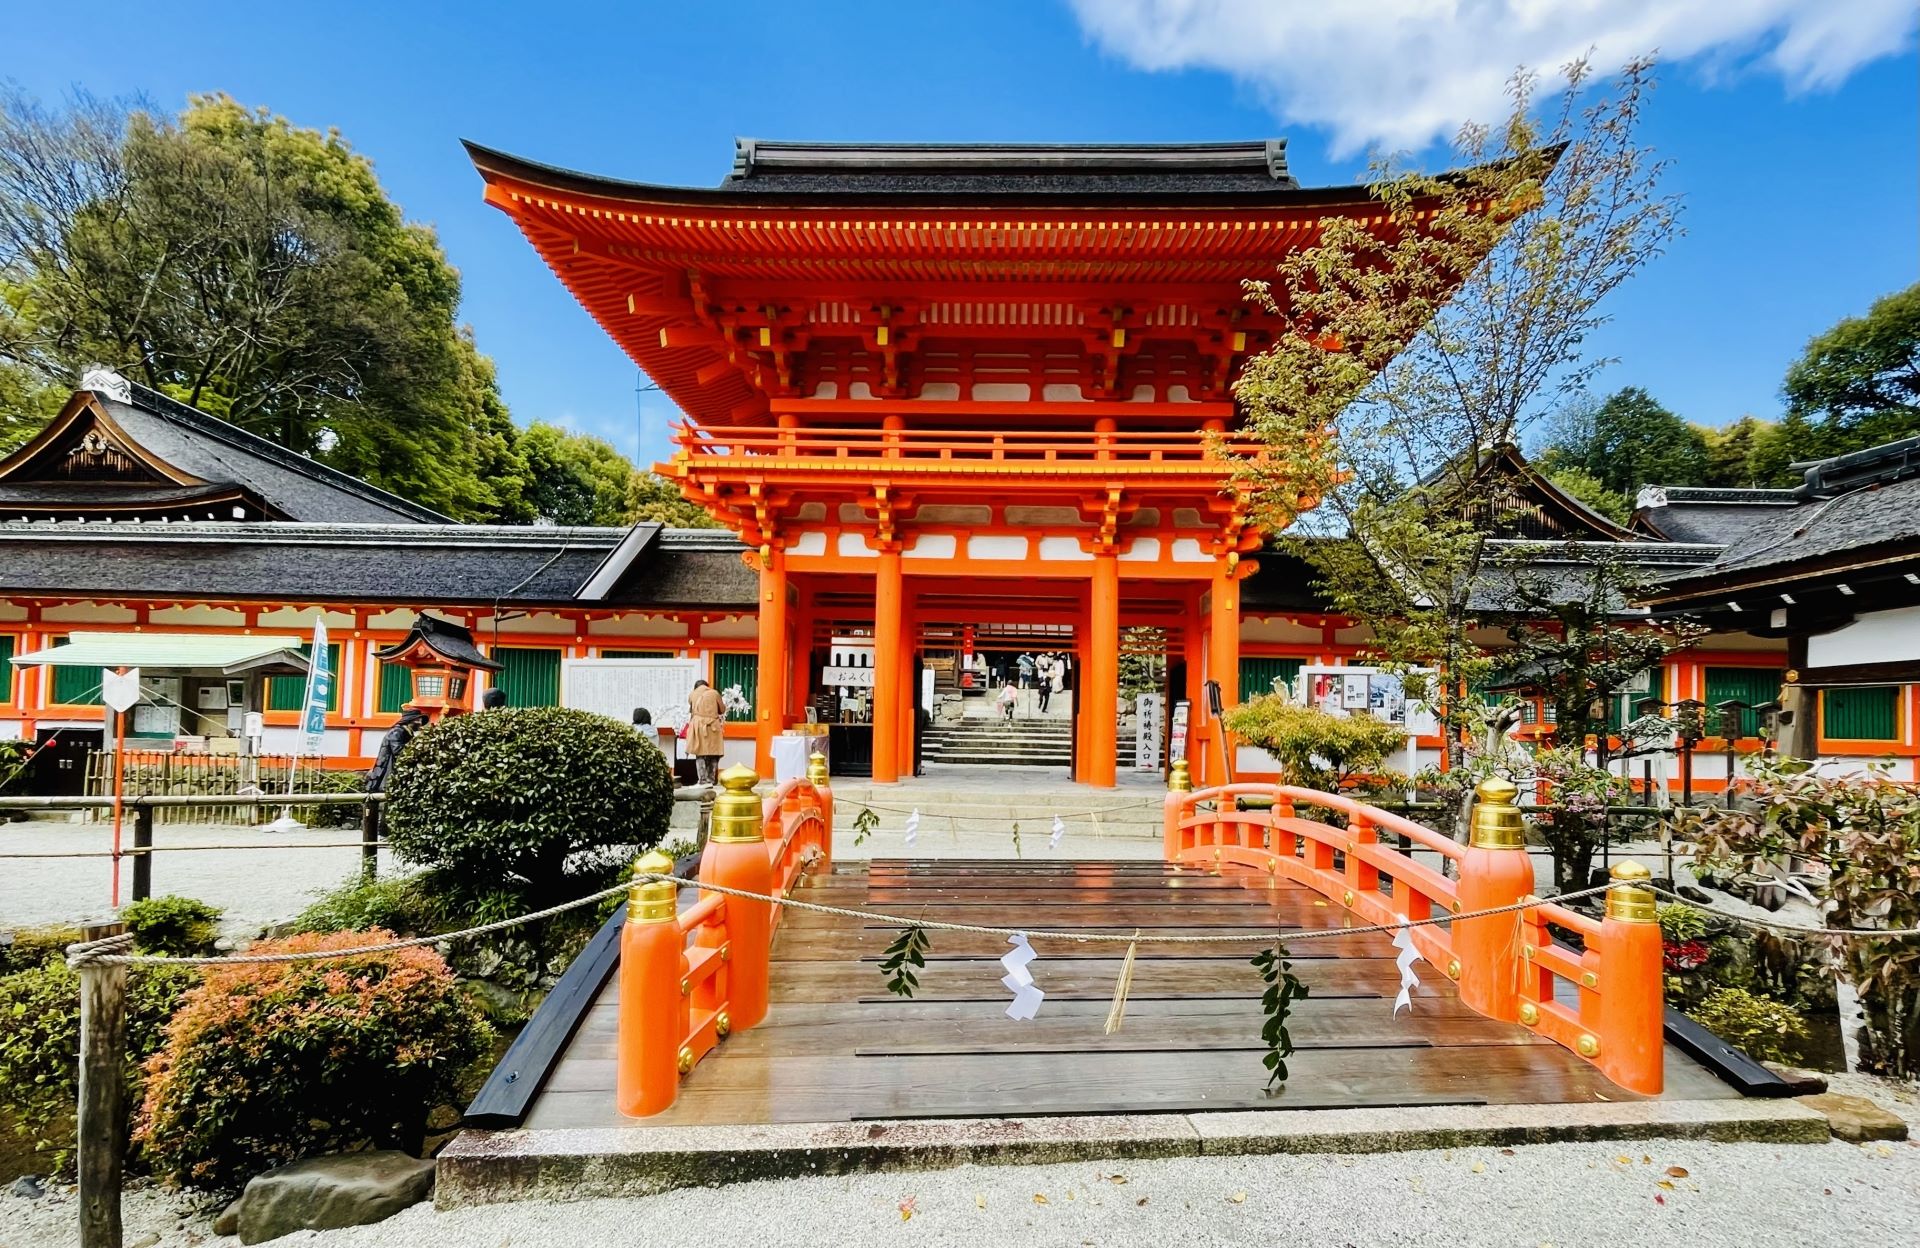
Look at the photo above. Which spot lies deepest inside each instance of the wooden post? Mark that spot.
(1102, 685)
(369, 840)
(653, 1013)
(143, 851)
(103, 1055)
(887, 699)
(770, 697)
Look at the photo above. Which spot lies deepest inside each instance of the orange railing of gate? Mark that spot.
(1505, 965)
(689, 977)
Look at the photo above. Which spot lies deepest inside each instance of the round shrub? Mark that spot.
(178, 927)
(522, 799)
(265, 1064)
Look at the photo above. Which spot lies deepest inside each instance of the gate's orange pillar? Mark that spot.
(1223, 658)
(770, 691)
(1103, 669)
(886, 667)
(1195, 692)
(909, 685)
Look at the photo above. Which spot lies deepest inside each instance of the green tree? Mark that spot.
(253, 269)
(1584, 487)
(1860, 381)
(1448, 322)
(1730, 451)
(573, 479)
(1637, 441)
(651, 496)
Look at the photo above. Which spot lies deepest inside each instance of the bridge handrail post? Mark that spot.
(823, 795)
(1631, 1031)
(653, 1013)
(1495, 871)
(1178, 801)
(736, 857)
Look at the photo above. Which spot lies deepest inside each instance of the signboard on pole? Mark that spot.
(313, 708)
(1146, 741)
(1177, 732)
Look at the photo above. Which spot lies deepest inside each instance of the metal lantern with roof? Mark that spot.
(443, 657)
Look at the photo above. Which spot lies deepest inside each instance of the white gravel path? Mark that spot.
(1565, 1195)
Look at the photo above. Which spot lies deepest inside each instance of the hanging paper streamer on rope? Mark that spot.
(1059, 830)
(1403, 941)
(1019, 980)
(913, 828)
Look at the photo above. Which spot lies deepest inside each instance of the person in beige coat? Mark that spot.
(705, 738)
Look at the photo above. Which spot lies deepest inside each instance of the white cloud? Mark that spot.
(1402, 73)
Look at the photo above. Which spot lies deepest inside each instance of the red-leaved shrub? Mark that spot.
(267, 1063)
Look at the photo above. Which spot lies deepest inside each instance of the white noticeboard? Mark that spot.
(613, 687)
(1146, 740)
(1340, 690)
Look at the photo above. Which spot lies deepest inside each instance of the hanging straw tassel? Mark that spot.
(1123, 985)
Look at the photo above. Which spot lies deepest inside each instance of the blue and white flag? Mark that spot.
(313, 708)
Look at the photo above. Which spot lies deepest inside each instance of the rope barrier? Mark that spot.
(137, 851)
(86, 952)
(1893, 933)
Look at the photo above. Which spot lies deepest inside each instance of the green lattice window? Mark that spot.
(742, 670)
(75, 686)
(1257, 675)
(396, 688)
(1861, 714)
(1752, 685)
(288, 693)
(528, 675)
(7, 643)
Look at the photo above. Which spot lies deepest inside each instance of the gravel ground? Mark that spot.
(1566, 1195)
(255, 887)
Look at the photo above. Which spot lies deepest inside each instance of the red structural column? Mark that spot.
(1103, 669)
(1195, 693)
(1223, 656)
(770, 694)
(909, 685)
(886, 667)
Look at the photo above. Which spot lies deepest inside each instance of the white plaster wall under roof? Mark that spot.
(731, 626)
(1059, 549)
(854, 546)
(992, 546)
(88, 613)
(939, 390)
(1876, 637)
(1358, 635)
(1141, 550)
(1274, 628)
(811, 542)
(399, 618)
(198, 615)
(301, 619)
(637, 624)
(1062, 392)
(10, 610)
(932, 546)
(540, 622)
(1748, 642)
(1189, 550)
(1002, 392)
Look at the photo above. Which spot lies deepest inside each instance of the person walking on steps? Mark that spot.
(1008, 696)
(1026, 671)
(1043, 673)
(705, 738)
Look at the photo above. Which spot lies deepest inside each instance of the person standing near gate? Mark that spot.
(1043, 674)
(1026, 671)
(705, 738)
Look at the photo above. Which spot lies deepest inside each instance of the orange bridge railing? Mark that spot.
(1507, 966)
(689, 977)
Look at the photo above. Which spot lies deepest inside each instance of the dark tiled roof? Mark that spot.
(1817, 533)
(106, 494)
(443, 637)
(1518, 575)
(403, 564)
(1696, 514)
(292, 484)
(769, 172)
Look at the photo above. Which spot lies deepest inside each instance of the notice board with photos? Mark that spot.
(614, 687)
(1342, 690)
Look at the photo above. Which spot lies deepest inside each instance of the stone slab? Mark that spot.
(579, 1164)
(1855, 1118)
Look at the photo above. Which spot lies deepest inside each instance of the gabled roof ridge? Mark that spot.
(170, 409)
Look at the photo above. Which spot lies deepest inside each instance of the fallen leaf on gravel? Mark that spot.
(1646, 1161)
(1039, 1198)
(1141, 1201)
(1238, 1198)
(1479, 1167)
(909, 1207)
(1506, 1152)
(1826, 1191)
(1663, 1183)
(1623, 1160)
(1069, 1193)
(1117, 1179)
(1676, 1172)
(1659, 1199)
(979, 1200)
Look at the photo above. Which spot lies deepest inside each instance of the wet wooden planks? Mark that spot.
(837, 1047)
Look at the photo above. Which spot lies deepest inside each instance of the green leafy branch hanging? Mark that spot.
(863, 825)
(908, 951)
(1276, 1003)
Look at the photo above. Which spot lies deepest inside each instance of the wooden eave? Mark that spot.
(84, 404)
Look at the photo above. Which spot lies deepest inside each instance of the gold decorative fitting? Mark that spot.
(1453, 968)
(1587, 1046)
(1346, 899)
(685, 1061)
(686, 987)
(1589, 980)
(1629, 900)
(737, 814)
(817, 770)
(722, 1024)
(1497, 823)
(652, 902)
(726, 953)
(1526, 951)
(1180, 780)
(1529, 1013)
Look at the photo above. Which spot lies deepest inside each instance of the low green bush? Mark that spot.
(40, 1036)
(1767, 1030)
(1681, 921)
(178, 927)
(521, 807)
(267, 1063)
(28, 947)
(400, 903)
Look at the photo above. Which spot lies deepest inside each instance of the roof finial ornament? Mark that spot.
(1649, 497)
(103, 380)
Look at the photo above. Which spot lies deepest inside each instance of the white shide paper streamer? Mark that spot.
(1019, 980)
(1403, 941)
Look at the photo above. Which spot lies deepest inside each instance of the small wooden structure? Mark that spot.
(443, 659)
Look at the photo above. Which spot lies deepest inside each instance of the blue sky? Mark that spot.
(1798, 152)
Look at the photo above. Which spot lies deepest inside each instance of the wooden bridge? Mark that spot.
(698, 1028)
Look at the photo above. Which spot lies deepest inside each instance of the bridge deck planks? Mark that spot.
(837, 1047)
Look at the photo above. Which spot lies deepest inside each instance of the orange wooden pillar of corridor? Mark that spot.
(888, 628)
(1223, 660)
(770, 687)
(1102, 671)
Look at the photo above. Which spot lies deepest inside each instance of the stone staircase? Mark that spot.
(967, 811)
(1034, 741)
